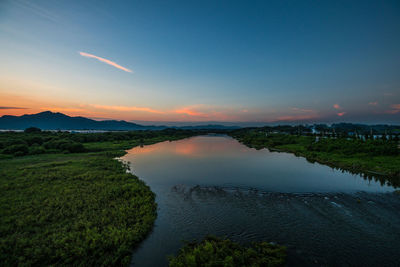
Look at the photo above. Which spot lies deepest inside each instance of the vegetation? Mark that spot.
(213, 251)
(65, 201)
(374, 158)
(34, 141)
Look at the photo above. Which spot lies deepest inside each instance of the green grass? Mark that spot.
(79, 209)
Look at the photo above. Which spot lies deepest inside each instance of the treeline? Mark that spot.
(335, 130)
(363, 129)
(350, 147)
(340, 145)
(258, 139)
(34, 141)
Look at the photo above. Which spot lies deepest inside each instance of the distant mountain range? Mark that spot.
(48, 120)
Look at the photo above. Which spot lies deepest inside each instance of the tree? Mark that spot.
(32, 130)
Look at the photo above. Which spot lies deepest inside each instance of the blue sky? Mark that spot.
(260, 61)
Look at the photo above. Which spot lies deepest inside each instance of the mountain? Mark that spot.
(48, 120)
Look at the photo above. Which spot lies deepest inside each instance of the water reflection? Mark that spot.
(223, 161)
(196, 147)
(215, 185)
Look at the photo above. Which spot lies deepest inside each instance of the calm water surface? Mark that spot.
(215, 185)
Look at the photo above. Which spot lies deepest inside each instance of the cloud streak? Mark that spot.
(12, 108)
(128, 108)
(295, 118)
(190, 111)
(394, 109)
(396, 106)
(302, 110)
(109, 62)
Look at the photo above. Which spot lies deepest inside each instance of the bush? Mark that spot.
(73, 147)
(36, 150)
(32, 130)
(34, 140)
(213, 251)
(56, 143)
(16, 150)
(10, 142)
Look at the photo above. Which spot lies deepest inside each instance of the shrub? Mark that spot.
(74, 147)
(10, 142)
(34, 140)
(36, 150)
(16, 150)
(213, 251)
(32, 130)
(54, 143)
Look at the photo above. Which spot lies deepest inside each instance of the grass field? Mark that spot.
(76, 209)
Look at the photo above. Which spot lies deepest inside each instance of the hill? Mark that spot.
(48, 120)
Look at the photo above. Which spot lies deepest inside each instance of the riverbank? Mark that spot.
(62, 208)
(382, 167)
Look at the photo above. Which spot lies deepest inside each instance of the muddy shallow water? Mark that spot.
(215, 185)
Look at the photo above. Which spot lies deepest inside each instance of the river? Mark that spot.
(215, 185)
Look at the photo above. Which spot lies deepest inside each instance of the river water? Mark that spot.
(215, 185)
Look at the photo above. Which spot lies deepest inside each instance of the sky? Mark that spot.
(237, 61)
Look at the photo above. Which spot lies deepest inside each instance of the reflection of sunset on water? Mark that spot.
(196, 148)
(210, 182)
(143, 149)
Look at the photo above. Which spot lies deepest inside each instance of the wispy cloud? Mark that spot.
(340, 114)
(302, 110)
(396, 106)
(109, 62)
(190, 111)
(373, 103)
(128, 108)
(394, 109)
(12, 108)
(296, 117)
(61, 109)
(297, 114)
(36, 9)
(336, 106)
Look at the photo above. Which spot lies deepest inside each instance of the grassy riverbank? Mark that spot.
(59, 207)
(375, 159)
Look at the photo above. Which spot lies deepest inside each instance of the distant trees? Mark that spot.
(32, 130)
(34, 141)
(349, 147)
(339, 143)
